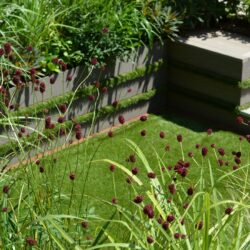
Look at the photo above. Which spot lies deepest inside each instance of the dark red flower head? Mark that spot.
(179, 138)
(91, 98)
(221, 151)
(138, 199)
(69, 78)
(61, 119)
(135, 171)
(199, 225)
(84, 224)
(162, 134)
(4, 209)
(143, 132)
(177, 236)
(143, 118)
(72, 176)
(148, 210)
(190, 154)
(165, 225)
(112, 168)
(1, 52)
(190, 191)
(105, 30)
(209, 131)
(110, 134)
(114, 201)
(104, 90)
(151, 175)
(204, 151)
(150, 239)
(115, 104)
(41, 169)
(170, 218)
(29, 48)
(42, 87)
(239, 119)
(132, 158)
(172, 188)
(52, 80)
(121, 119)
(94, 61)
(78, 135)
(30, 241)
(62, 108)
(7, 48)
(228, 210)
(6, 189)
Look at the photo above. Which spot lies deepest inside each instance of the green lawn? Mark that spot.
(97, 182)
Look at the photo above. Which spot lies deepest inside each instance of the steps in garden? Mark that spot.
(208, 74)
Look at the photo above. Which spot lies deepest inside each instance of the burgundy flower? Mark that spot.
(115, 104)
(169, 200)
(129, 90)
(239, 119)
(16, 79)
(235, 167)
(241, 138)
(112, 168)
(160, 220)
(238, 154)
(185, 205)
(42, 87)
(20, 135)
(114, 201)
(177, 236)
(41, 169)
(84, 224)
(138, 199)
(169, 168)
(62, 107)
(129, 179)
(172, 188)
(72, 176)
(32, 71)
(209, 131)
(64, 66)
(4, 209)
(213, 145)
(18, 72)
(121, 119)
(135, 171)
(165, 225)
(228, 210)
(94, 61)
(204, 151)
(167, 147)
(31, 242)
(7, 48)
(190, 191)
(199, 225)
(162, 134)
(91, 98)
(104, 90)
(6, 189)
(163, 169)
(69, 78)
(38, 162)
(1, 52)
(52, 80)
(221, 151)
(55, 60)
(22, 130)
(110, 134)
(182, 221)
(143, 132)
(132, 158)
(143, 118)
(61, 119)
(179, 138)
(170, 218)
(148, 210)
(78, 135)
(220, 162)
(197, 146)
(150, 239)
(105, 30)
(151, 175)
(190, 154)
(237, 160)
(77, 127)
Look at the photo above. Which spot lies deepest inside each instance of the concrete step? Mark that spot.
(221, 53)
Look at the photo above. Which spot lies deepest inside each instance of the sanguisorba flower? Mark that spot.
(31, 241)
(228, 210)
(61, 119)
(112, 167)
(84, 224)
(179, 138)
(162, 134)
(1, 52)
(121, 119)
(105, 30)
(6, 189)
(190, 191)
(149, 211)
(132, 158)
(62, 107)
(150, 239)
(135, 171)
(239, 119)
(143, 118)
(204, 151)
(172, 188)
(7, 48)
(199, 225)
(72, 176)
(42, 87)
(209, 131)
(94, 61)
(221, 151)
(110, 134)
(151, 175)
(170, 218)
(138, 199)
(143, 132)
